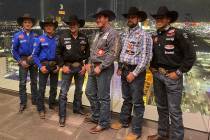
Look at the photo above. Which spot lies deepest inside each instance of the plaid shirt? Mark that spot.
(136, 49)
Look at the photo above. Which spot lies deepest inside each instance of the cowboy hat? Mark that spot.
(108, 13)
(135, 11)
(48, 20)
(73, 18)
(26, 16)
(163, 11)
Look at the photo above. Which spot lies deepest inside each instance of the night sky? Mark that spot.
(194, 10)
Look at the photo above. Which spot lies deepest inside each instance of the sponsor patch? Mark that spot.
(170, 39)
(185, 35)
(169, 52)
(83, 42)
(22, 41)
(68, 47)
(67, 42)
(42, 40)
(100, 52)
(67, 39)
(21, 36)
(171, 33)
(44, 44)
(169, 47)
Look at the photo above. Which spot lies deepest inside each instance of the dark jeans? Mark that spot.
(42, 86)
(98, 94)
(168, 95)
(65, 84)
(22, 84)
(133, 100)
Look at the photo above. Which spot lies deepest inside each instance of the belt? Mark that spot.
(50, 63)
(28, 59)
(128, 66)
(163, 71)
(73, 64)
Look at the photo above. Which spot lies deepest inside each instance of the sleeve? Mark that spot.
(59, 53)
(145, 55)
(87, 51)
(36, 52)
(188, 51)
(121, 47)
(113, 42)
(15, 46)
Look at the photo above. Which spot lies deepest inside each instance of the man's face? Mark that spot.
(27, 24)
(101, 21)
(49, 28)
(74, 26)
(162, 22)
(132, 21)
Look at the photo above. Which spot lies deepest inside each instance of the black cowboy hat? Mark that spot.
(135, 11)
(48, 20)
(108, 13)
(26, 16)
(163, 11)
(73, 18)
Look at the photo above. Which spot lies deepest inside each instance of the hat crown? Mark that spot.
(49, 19)
(162, 11)
(27, 15)
(133, 10)
(73, 18)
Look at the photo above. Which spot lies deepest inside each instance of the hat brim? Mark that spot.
(107, 13)
(42, 24)
(21, 19)
(141, 14)
(173, 15)
(81, 22)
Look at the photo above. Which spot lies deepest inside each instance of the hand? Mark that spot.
(57, 69)
(153, 70)
(172, 75)
(130, 77)
(119, 72)
(66, 69)
(24, 64)
(82, 72)
(44, 69)
(88, 67)
(97, 70)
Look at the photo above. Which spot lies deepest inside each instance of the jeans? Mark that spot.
(133, 100)
(98, 94)
(168, 95)
(65, 84)
(42, 86)
(23, 73)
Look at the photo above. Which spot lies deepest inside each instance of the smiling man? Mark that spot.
(173, 55)
(135, 55)
(22, 48)
(104, 51)
(44, 55)
(73, 53)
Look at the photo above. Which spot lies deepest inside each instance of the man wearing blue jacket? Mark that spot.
(22, 47)
(44, 55)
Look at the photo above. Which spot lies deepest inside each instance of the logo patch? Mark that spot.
(169, 47)
(100, 52)
(68, 47)
(42, 40)
(21, 36)
(67, 39)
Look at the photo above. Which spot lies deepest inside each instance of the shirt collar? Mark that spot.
(50, 37)
(28, 34)
(133, 29)
(106, 29)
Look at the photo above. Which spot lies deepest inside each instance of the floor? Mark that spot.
(28, 125)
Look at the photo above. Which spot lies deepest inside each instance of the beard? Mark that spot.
(131, 24)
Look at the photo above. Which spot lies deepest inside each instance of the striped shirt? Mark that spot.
(136, 47)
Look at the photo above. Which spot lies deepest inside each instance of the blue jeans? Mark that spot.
(42, 86)
(168, 95)
(65, 84)
(133, 100)
(23, 73)
(98, 94)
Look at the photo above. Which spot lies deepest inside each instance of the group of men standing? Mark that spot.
(169, 53)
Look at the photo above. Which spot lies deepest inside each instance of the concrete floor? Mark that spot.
(28, 126)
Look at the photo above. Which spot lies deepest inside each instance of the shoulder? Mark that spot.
(19, 35)
(82, 36)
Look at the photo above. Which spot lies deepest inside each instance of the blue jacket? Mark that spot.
(22, 44)
(44, 49)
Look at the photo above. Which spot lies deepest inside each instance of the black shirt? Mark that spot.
(72, 49)
(173, 50)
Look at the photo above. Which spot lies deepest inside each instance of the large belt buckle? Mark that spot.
(52, 63)
(76, 64)
(162, 71)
